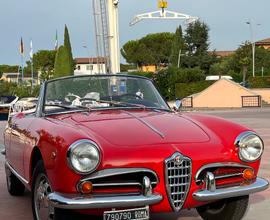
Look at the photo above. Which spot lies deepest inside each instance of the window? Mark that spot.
(89, 67)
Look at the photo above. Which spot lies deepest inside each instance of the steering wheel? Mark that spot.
(131, 95)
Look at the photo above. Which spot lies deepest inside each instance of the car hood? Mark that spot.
(133, 128)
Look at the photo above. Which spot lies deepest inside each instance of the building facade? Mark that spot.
(91, 65)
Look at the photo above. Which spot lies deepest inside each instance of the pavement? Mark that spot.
(19, 208)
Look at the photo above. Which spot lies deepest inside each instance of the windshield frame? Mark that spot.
(41, 102)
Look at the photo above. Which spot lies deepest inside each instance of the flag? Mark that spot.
(56, 41)
(21, 47)
(31, 49)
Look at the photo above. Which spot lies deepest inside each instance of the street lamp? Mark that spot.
(89, 57)
(253, 43)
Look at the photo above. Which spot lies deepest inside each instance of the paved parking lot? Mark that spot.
(258, 119)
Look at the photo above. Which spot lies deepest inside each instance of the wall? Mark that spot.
(222, 94)
(264, 93)
(84, 70)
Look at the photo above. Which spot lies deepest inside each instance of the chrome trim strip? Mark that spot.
(216, 165)
(228, 176)
(16, 174)
(79, 202)
(118, 171)
(206, 195)
(147, 124)
(116, 184)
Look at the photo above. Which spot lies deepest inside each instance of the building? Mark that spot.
(264, 43)
(226, 94)
(222, 53)
(16, 78)
(91, 65)
(148, 68)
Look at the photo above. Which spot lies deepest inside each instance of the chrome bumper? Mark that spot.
(79, 202)
(211, 193)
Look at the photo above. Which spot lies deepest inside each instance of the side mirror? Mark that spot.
(177, 105)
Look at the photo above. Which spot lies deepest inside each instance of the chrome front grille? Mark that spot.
(178, 178)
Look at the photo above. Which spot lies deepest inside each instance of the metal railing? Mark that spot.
(187, 102)
(251, 101)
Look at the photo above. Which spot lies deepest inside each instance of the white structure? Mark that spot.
(107, 28)
(91, 65)
(163, 14)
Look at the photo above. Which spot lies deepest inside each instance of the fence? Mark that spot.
(251, 101)
(187, 102)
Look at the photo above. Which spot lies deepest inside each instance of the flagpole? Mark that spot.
(22, 69)
(32, 64)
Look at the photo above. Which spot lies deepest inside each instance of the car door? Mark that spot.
(19, 135)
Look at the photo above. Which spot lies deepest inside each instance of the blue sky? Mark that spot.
(39, 19)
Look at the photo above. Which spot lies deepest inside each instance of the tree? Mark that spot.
(43, 62)
(67, 44)
(62, 65)
(197, 43)
(151, 49)
(243, 57)
(8, 69)
(178, 47)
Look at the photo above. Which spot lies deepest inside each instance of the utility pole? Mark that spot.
(253, 44)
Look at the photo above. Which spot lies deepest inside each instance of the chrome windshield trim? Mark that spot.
(147, 124)
(217, 165)
(65, 201)
(230, 192)
(25, 182)
(118, 171)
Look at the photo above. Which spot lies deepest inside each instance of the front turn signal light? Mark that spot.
(86, 187)
(248, 174)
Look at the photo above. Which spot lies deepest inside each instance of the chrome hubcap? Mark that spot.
(42, 207)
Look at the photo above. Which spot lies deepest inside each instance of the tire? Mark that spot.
(14, 186)
(229, 209)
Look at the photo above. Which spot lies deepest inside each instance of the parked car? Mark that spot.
(5, 103)
(110, 145)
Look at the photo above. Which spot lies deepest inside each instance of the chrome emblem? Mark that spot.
(178, 160)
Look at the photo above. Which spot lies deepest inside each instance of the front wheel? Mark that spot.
(41, 188)
(233, 209)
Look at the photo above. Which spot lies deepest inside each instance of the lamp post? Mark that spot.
(253, 43)
(89, 57)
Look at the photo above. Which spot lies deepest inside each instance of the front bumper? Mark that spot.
(211, 194)
(83, 202)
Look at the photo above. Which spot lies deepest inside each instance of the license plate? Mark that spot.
(128, 214)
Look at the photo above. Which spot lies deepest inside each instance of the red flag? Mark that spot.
(21, 47)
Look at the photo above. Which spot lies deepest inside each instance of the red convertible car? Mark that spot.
(110, 145)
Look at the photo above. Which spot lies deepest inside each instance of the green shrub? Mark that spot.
(183, 90)
(144, 74)
(259, 82)
(21, 91)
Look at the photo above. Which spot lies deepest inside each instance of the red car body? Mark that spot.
(140, 138)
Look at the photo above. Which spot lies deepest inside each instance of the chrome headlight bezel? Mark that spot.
(241, 146)
(71, 150)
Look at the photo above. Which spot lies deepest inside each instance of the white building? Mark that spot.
(91, 65)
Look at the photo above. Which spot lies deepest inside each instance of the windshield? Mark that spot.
(102, 92)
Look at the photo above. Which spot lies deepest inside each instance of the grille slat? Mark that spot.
(178, 178)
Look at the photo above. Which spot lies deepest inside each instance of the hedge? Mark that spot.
(259, 82)
(183, 90)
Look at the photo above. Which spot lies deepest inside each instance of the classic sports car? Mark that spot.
(110, 145)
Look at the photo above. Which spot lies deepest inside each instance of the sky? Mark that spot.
(39, 20)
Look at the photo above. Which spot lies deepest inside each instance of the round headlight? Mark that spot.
(83, 156)
(250, 146)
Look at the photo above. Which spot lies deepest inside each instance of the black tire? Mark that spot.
(14, 186)
(229, 209)
(40, 175)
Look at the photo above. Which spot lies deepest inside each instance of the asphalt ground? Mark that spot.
(19, 208)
